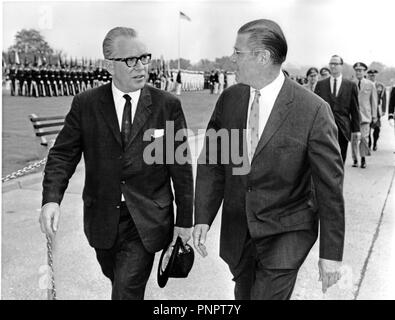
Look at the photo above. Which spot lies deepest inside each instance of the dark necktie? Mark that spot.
(359, 85)
(126, 126)
(334, 87)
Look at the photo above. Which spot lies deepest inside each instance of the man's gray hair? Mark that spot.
(266, 35)
(112, 35)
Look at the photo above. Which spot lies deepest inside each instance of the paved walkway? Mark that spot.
(369, 257)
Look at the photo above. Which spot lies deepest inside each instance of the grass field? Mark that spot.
(21, 147)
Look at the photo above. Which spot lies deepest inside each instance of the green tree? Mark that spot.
(30, 41)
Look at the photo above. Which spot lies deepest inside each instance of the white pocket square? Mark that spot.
(158, 133)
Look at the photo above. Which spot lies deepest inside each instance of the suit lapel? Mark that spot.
(143, 111)
(107, 108)
(341, 88)
(241, 102)
(279, 113)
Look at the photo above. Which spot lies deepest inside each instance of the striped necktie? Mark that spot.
(253, 125)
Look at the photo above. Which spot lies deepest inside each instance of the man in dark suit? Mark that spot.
(342, 96)
(270, 215)
(391, 107)
(128, 203)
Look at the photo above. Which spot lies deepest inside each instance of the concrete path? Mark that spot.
(369, 260)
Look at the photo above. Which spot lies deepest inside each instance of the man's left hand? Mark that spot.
(329, 273)
(184, 233)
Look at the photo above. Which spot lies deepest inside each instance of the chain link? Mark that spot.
(24, 171)
(52, 289)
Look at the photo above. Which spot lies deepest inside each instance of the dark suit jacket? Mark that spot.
(91, 128)
(274, 201)
(344, 107)
(391, 105)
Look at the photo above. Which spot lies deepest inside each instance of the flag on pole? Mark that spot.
(184, 16)
(17, 61)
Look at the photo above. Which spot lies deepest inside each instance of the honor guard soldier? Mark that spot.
(59, 82)
(71, 81)
(28, 79)
(52, 80)
(12, 77)
(91, 79)
(85, 78)
(20, 75)
(35, 90)
(98, 77)
(46, 81)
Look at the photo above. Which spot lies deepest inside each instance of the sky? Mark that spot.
(358, 30)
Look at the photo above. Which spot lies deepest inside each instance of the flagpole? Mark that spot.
(179, 39)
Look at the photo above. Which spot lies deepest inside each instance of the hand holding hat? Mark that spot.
(176, 261)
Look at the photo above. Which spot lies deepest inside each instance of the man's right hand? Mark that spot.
(49, 218)
(199, 238)
(391, 121)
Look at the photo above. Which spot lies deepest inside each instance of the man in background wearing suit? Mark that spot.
(128, 204)
(270, 215)
(391, 107)
(342, 96)
(381, 107)
(367, 101)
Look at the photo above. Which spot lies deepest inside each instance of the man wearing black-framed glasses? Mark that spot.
(128, 203)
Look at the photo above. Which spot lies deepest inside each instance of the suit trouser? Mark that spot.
(362, 145)
(127, 264)
(376, 136)
(343, 143)
(255, 282)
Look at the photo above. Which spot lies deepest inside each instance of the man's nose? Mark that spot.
(232, 57)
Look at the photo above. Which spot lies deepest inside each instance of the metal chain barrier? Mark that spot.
(24, 171)
(19, 173)
(51, 289)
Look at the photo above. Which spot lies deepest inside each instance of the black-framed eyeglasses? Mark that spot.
(132, 61)
(335, 63)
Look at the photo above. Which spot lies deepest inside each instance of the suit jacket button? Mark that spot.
(118, 207)
(249, 189)
(123, 182)
(120, 157)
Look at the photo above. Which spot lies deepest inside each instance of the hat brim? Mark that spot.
(163, 275)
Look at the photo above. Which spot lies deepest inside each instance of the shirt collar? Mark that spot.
(118, 94)
(272, 87)
(338, 79)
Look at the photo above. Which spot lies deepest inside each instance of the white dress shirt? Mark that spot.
(119, 102)
(266, 102)
(338, 83)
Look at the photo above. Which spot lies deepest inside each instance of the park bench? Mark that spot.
(46, 130)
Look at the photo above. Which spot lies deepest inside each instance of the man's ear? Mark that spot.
(264, 57)
(109, 65)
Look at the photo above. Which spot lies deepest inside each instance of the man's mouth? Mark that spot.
(139, 77)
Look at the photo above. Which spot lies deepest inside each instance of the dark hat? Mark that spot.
(180, 259)
(360, 65)
(372, 71)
